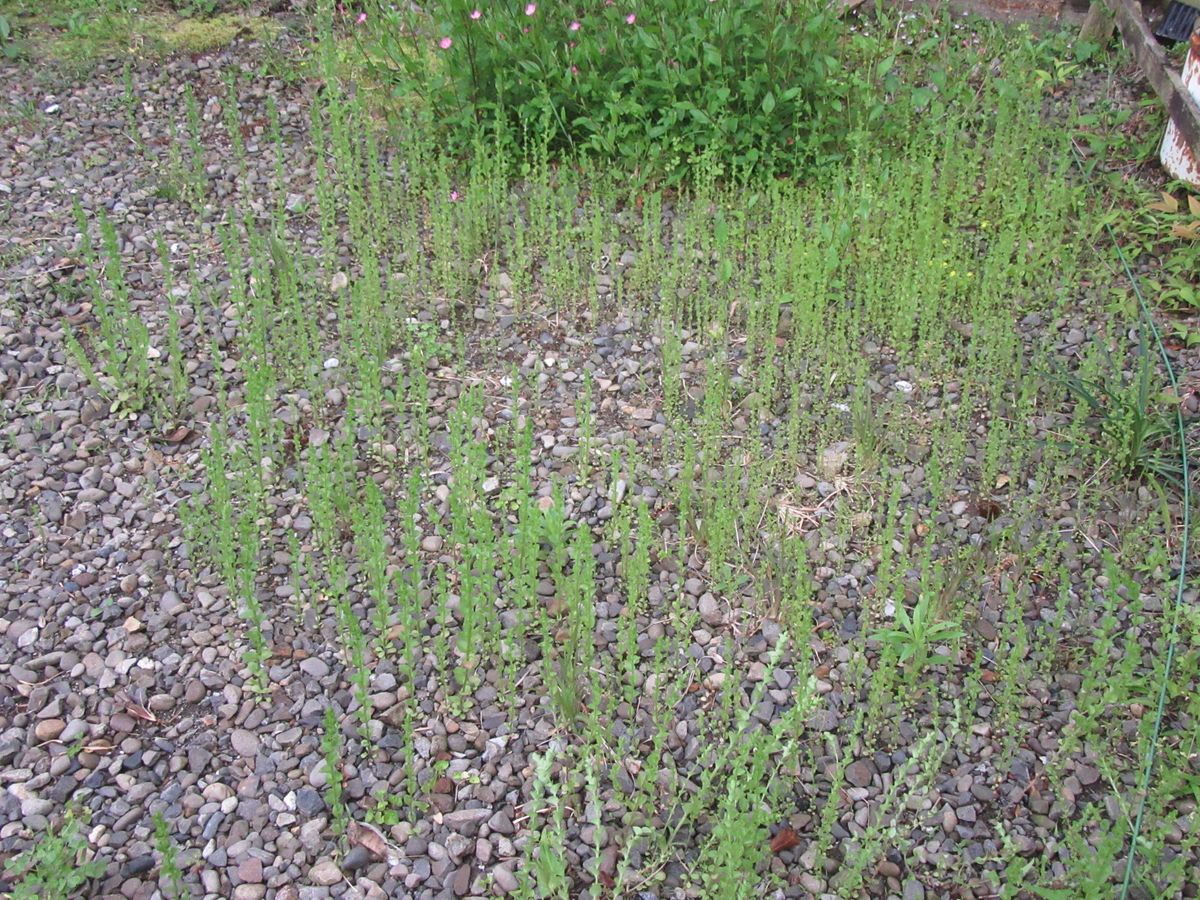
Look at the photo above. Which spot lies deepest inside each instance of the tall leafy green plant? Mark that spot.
(753, 86)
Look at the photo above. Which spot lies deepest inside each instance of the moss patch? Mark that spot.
(168, 35)
(73, 38)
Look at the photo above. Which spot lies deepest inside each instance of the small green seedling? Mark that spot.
(170, 870)
(915, 636)
(52, 869)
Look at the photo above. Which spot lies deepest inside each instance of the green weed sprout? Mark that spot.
(166, 848)
(1133, 422)
(916, 635)
(51, 869)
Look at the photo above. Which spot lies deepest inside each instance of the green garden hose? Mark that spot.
(1152, 751)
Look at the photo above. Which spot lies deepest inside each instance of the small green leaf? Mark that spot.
(768, 103)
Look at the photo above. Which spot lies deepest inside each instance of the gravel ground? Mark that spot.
(113, 648)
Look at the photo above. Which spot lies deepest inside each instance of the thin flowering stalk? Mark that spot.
(473, 36)
(404, 61)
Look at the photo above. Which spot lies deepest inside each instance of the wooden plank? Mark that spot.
(1153, 61)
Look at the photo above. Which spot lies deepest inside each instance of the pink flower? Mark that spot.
(530, 9)
(362, 17)
(454, 197)
(631, 18)
(445, 43)
(574, 26)
(475, 13)
(574, 70)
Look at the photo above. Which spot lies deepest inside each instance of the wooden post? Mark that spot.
(1098, 25)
